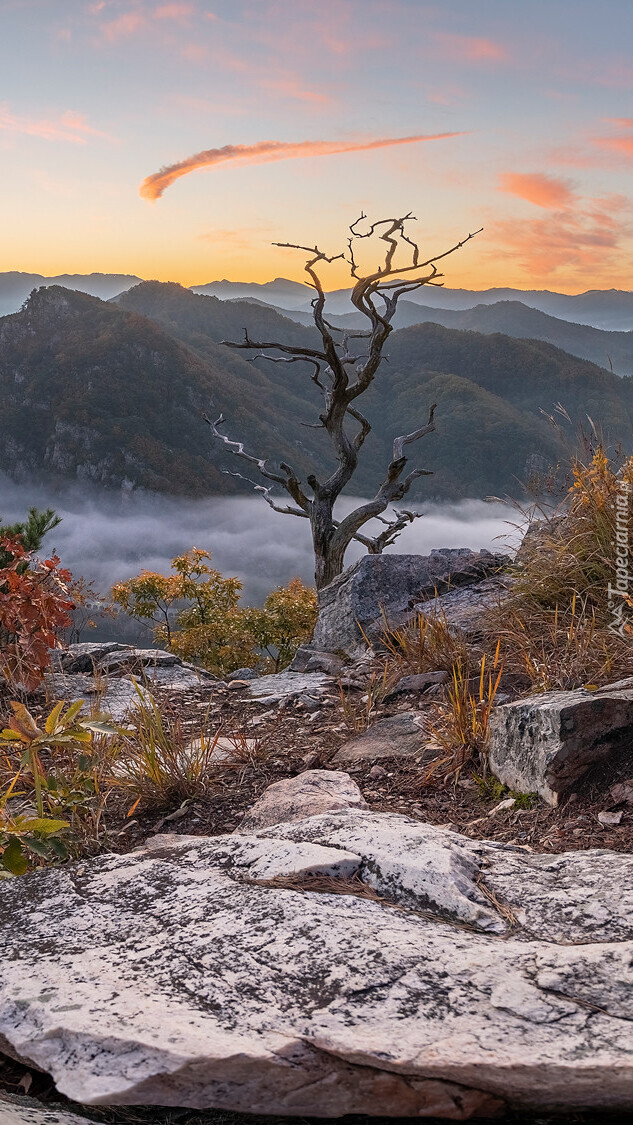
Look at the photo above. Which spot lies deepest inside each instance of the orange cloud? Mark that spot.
(536, 187)
(70, 126)
(263, 152)
(469, 48)
(622, 144)
(581, 242)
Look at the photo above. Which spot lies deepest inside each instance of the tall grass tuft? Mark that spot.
(557, 625)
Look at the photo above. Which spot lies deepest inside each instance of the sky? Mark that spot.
(180, 140)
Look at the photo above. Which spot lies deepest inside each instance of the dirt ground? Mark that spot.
(291, 740)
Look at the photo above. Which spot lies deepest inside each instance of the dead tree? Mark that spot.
(342, 376)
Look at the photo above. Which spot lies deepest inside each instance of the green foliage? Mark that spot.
(286, 620)
(29, 532)
(196, 613)
(58, 766)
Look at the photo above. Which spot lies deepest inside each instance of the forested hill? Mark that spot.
(91, 390)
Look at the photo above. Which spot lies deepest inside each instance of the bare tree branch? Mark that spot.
(342, 377)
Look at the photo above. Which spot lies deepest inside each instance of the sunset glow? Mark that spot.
(511, 117)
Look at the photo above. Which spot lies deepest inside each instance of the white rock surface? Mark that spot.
(308, 794)
(167, 976)
(26, 1111)
(287, 685)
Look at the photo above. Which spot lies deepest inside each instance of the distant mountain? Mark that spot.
(91, 392)
(288, 294)
(490, 389)
(15, 287)
(608, 309)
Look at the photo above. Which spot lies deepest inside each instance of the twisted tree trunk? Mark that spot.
(342, 377)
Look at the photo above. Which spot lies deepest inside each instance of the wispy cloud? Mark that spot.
(263, 152)
(579, 242)
(295, 90)
(176, 12)
(469, 48)
(536, 187)
(69, 126)
(621, 143)
(124, 25)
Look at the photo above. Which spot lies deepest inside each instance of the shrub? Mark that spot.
(59, 767)
(34, 606)
(196, 613)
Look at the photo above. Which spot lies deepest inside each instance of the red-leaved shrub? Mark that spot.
(34, 605)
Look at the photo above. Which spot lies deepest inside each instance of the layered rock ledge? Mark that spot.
(349, 962)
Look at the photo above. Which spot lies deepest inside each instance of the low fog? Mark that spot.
(107, 537)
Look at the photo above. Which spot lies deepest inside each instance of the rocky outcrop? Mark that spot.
(446, 978)
(387, 588)
(283, 686)
(109, 675)
(544, 744)
(310, 794)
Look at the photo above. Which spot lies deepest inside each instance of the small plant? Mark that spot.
(462, 728)
(34, 606)
(27, 838)
(357, 715)
(425, 644)
(58, 767)
(490, 788)
(159, 763)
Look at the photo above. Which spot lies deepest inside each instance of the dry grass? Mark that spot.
(425, 644)
(462, 724)
(161, 764)
(358, 712)
(556, 626)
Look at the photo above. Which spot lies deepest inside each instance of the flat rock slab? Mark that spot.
(399, 736)
(545, 743)
(116, 697)
(310, 794)
(26, 1111)
(481, 975)
(288, 685)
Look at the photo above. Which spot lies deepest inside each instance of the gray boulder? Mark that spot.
(241, 674)
(115, 697)
(545, 743)
(386, 588)
(399, 736)
(448, 978)
(465, 608)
